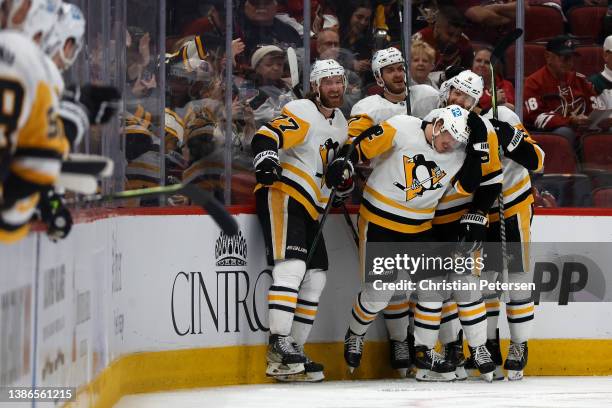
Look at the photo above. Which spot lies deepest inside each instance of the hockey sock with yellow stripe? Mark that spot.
(449, 325)
(520, 320)
(427, 318)
(281, 304)
(492, 305)
(307, 304)
(362, 314)
(396, 316)
(473, 317)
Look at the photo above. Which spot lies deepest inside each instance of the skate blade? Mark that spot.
(461, 374)
(431, 376)
(498, 374)
(488, 377)
(473, 374)
(316, 376)
(402, 372)
(515, 375)
(278, 369)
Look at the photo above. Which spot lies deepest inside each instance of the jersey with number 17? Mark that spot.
(307, 143)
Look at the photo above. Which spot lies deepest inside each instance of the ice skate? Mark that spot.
(516, 360)
(400, 356)
(493, 347)
(431, 366)
(313, 371)
(483, 362)
(353, 347)
(282, 357)
(453, 352)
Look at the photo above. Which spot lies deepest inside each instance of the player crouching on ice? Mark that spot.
(399, 202)
(291, 156)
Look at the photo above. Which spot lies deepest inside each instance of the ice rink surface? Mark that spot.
(532, 392)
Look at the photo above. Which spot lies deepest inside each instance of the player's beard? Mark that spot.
(396, 87)
(333, 102)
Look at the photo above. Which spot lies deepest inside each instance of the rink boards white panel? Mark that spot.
(129, 284)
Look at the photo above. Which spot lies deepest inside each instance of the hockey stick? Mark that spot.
(332, 196)
(400, 5)
(496, 55)
(294, 71)
(349, 222)
(201, 197)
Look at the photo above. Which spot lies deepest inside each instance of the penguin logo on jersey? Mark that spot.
(420, 175)
(327, 151)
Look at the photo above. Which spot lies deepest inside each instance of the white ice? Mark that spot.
(532, 392)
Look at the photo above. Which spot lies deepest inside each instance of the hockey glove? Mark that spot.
(267, 167)
(343, 192)
(55, 215)
(473, 232)
(99, 102)
(509, 136)
(339, 172)
(477, 142)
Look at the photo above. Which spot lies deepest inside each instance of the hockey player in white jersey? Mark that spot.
(389, 71)
(521, 154)
(461, 218)
(508, 134)
(398, 203)
(32, 134)
(292, 153)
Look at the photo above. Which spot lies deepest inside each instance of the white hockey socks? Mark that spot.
(449, 324)
(396, 316)
(283, 294)
(307, 304)
(473, 317)
(427, 318)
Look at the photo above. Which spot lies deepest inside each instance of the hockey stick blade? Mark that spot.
(504, 43)
(215, 209)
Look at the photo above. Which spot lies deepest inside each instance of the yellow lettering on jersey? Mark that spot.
(358, 124)
(292, 128)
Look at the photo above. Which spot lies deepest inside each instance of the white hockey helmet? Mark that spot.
(467, 82)
(70, 25)
(383, 58)
(40, 18)
(454, 119)
(325, 69)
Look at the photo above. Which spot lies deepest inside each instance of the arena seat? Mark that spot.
(542, 22)
(560, 157)
(587, 21)
(534, 59)
(597, 151)
(569, 190)
(590, 59)
(602, 197)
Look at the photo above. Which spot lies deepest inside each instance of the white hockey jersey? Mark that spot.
(454, 204)
(517, 182)
(307, 143)
(410, 177)
(374, 109)
(29, 109)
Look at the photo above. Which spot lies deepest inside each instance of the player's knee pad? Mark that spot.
(313, 284)
(289, 273)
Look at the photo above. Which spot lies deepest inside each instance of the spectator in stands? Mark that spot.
(556, 98)
(505, 90)
(257, 25)
(602, 82)
(447, 38)
(422, 60)
(273, 93)
(355, 32)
